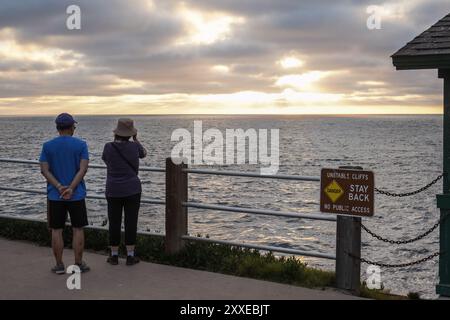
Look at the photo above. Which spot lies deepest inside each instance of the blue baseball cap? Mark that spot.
(65, 119)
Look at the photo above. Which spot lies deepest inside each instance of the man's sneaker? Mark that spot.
(83, 267)
(113, 260)
(132, 260)
(59, 269)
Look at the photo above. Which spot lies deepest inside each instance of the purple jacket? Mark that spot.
(122, 179)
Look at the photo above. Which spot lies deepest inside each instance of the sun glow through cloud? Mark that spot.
(206, 28)
(220, 69)
(301, 81)
(125, 84)
(290, 62)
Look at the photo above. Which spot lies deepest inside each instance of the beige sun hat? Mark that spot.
(125, 128)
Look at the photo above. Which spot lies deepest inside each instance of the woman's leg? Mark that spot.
(131, 208)
(115, 206)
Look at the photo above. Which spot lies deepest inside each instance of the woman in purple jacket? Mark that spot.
(123, 188)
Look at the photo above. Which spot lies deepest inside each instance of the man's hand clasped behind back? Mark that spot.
(65, 192)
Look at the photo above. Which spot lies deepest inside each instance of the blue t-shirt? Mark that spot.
(63, 155)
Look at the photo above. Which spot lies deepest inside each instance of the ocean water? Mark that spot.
(405, 152)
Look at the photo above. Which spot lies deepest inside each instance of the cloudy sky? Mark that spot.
(213, 56)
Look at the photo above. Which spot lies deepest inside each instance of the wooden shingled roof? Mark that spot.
(430, 50)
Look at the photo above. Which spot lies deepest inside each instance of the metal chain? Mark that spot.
(423, 235)
(400, 265)
(407, 194)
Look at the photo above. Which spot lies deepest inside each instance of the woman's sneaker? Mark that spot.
(83, 267)
(132, 260)
(59, 269)
(113, 260)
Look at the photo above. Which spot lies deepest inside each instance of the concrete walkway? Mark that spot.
(25, 274)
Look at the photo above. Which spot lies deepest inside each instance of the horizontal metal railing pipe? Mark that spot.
(193, 171)
(149, 201)
(311, 216)
(252, 175)
(93, 166)
(265, 248)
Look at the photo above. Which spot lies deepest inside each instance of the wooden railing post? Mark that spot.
(176, 213)
(348, 252)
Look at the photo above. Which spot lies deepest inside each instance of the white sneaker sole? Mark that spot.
(59, 272)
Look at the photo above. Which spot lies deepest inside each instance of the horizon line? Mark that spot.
(223, 114)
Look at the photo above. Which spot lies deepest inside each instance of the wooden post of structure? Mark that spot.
(348, 252)
(443, 288)
(176, 213)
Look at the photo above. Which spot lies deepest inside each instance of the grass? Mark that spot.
(251, 264)
(205, 256)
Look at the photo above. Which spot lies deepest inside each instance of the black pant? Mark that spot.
(131, 206)
(57, 213)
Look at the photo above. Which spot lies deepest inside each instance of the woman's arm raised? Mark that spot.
(142, 150)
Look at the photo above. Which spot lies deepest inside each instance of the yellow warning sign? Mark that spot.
(334, 191)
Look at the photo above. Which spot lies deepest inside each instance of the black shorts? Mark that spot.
(57, 213)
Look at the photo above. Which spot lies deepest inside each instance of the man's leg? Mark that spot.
(78, 244)
(56, 214)
(78, 219)
(58, 245)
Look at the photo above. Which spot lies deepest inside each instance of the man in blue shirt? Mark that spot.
(64, 163)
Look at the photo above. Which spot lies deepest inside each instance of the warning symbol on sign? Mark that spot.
(334, 191)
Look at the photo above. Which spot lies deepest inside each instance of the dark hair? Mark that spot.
(61, 127)
(120, 138)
